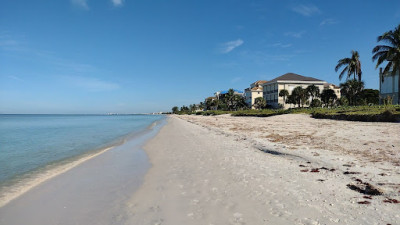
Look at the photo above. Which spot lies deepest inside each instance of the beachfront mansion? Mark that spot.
(270, 89)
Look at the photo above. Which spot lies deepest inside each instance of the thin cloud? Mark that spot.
(306, 10)
(328, 22)
(15, 78)
(8, 42)
(230, 46)
(263, 58)
(117, 3)
(91, 84)
(236, 79)
(280, 45)
(295, 34)
(81, 4)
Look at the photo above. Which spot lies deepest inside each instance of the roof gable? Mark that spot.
(294, 77)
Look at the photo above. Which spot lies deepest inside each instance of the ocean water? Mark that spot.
(34, 144)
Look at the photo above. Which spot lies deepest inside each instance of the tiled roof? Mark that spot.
(256, 89)
(260, 82)
(295, 77)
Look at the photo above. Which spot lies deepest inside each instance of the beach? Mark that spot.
(288, 169)
(230, 170)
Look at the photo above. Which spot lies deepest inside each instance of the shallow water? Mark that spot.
(94, 192)
(33, 147)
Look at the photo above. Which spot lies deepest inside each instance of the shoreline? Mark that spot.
(204, 174)
(199, 172)
(23, 201)
(17, 186)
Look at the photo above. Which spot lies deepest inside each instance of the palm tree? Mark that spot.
(283, 93)
(352, 89)
(300, 95)
(352, 66)
(313, 91)
(328, 97)
(260, 103)
(389, 53)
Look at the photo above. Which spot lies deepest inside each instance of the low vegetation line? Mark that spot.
(386, 113)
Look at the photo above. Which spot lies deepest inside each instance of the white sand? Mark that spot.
(215, 173)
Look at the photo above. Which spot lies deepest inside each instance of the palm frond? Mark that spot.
(378, 54)
(342, 62)
(342, 73)
(387, 68)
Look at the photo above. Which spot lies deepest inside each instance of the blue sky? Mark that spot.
(134, 56)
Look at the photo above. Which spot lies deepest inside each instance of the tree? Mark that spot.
(313, 91)
(283, 93)
(175, 109)
(352, 66)
(300, 96)
(260, 103)
(315, 103)
(184, 108)
(238, 102)
(351, 89)
(389, 53)
(209, 103)
(291, 100)
(370, 96)
(328, 97)
(201, 105)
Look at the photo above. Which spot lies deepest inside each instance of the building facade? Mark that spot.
(389, 87)
(254, 91)
(289, 82)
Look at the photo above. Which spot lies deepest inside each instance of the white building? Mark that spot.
(389, 86)
(254, 91)
(290, 81)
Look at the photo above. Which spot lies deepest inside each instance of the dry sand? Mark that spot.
(288, 169)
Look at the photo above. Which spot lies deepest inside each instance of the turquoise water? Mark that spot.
(29, 143)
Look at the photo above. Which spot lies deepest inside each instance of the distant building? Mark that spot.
(290, 81)
(389, 86)
(254, 91)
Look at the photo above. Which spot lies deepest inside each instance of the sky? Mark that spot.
(138, 56)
